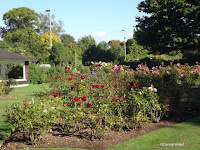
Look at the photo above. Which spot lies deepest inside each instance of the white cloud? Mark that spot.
(99, 36)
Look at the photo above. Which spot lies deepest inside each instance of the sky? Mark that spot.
(104, 20)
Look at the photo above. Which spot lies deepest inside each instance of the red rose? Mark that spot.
(100, 65)
(66, 67)
(137, 86)
(97, 86)
(65, 104)
(72, 74)
(102, 86)
(121, 81)
(77, 87)
(114, 99)
(123, 97)
(84, 98)
(25, 104)
(78, 74)
(93, 85)
(56, 95)
(69, 79)
(97, 65)
(132, 83)
(90, 103)
(116, 86)
(76, 98)
(82, 77)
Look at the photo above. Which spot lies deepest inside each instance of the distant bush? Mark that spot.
(39, 75)
(137, 52)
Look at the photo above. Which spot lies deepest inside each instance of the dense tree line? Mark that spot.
(171, 25)
(26, 32)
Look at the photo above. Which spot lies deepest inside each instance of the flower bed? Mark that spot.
(109, 99)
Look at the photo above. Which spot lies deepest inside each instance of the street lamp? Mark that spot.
(50, 29)
(124, 44)
(133, 31)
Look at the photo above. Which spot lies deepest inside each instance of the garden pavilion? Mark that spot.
(7, 57)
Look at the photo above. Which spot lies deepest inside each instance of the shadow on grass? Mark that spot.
(5, 129)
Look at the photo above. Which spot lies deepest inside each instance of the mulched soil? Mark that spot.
(81, 139)
(7, 96)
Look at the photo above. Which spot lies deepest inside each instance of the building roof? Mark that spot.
(13, 57)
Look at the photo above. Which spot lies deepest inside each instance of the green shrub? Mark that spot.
(6, 86)
(39, 75)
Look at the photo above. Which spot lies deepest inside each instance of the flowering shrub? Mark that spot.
(114, 100)
(6, 86)
(172, 82)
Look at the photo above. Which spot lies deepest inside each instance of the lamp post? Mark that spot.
(133, 31)
(124, 44)
(50, 29)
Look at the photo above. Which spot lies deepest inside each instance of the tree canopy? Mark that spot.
(44, 24)
(21, 17)
(170, 25)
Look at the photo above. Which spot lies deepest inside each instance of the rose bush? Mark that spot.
(105, 100)
(6, 86)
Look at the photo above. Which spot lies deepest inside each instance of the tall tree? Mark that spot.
(25, 41)
(58, 54)
(86, 42)
(74, 52)
(114, 42)
(46, 39)
(21, 17)
(170, 25)
(129, 44)
(44, 24)
(66, 39)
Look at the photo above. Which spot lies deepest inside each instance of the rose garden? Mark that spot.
(110, 98)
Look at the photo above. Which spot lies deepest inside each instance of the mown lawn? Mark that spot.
(21, 94)
(182, 136)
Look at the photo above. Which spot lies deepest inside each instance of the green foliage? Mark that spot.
(174, 27)
(101, 52)
(67, 39)
(77, 101)
(59, 54)
(114, 42)
(6, 86)
(116, 100)
(21, 17)
(137, 52)
(15, 71)
(75, 53)
(86, 42)
(25, 42)
(39, 75)
(44, 24)
(117, 52)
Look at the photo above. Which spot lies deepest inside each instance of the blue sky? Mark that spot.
(103, 19)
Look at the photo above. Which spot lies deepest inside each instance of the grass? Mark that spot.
(187, 134)
(21, 94)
